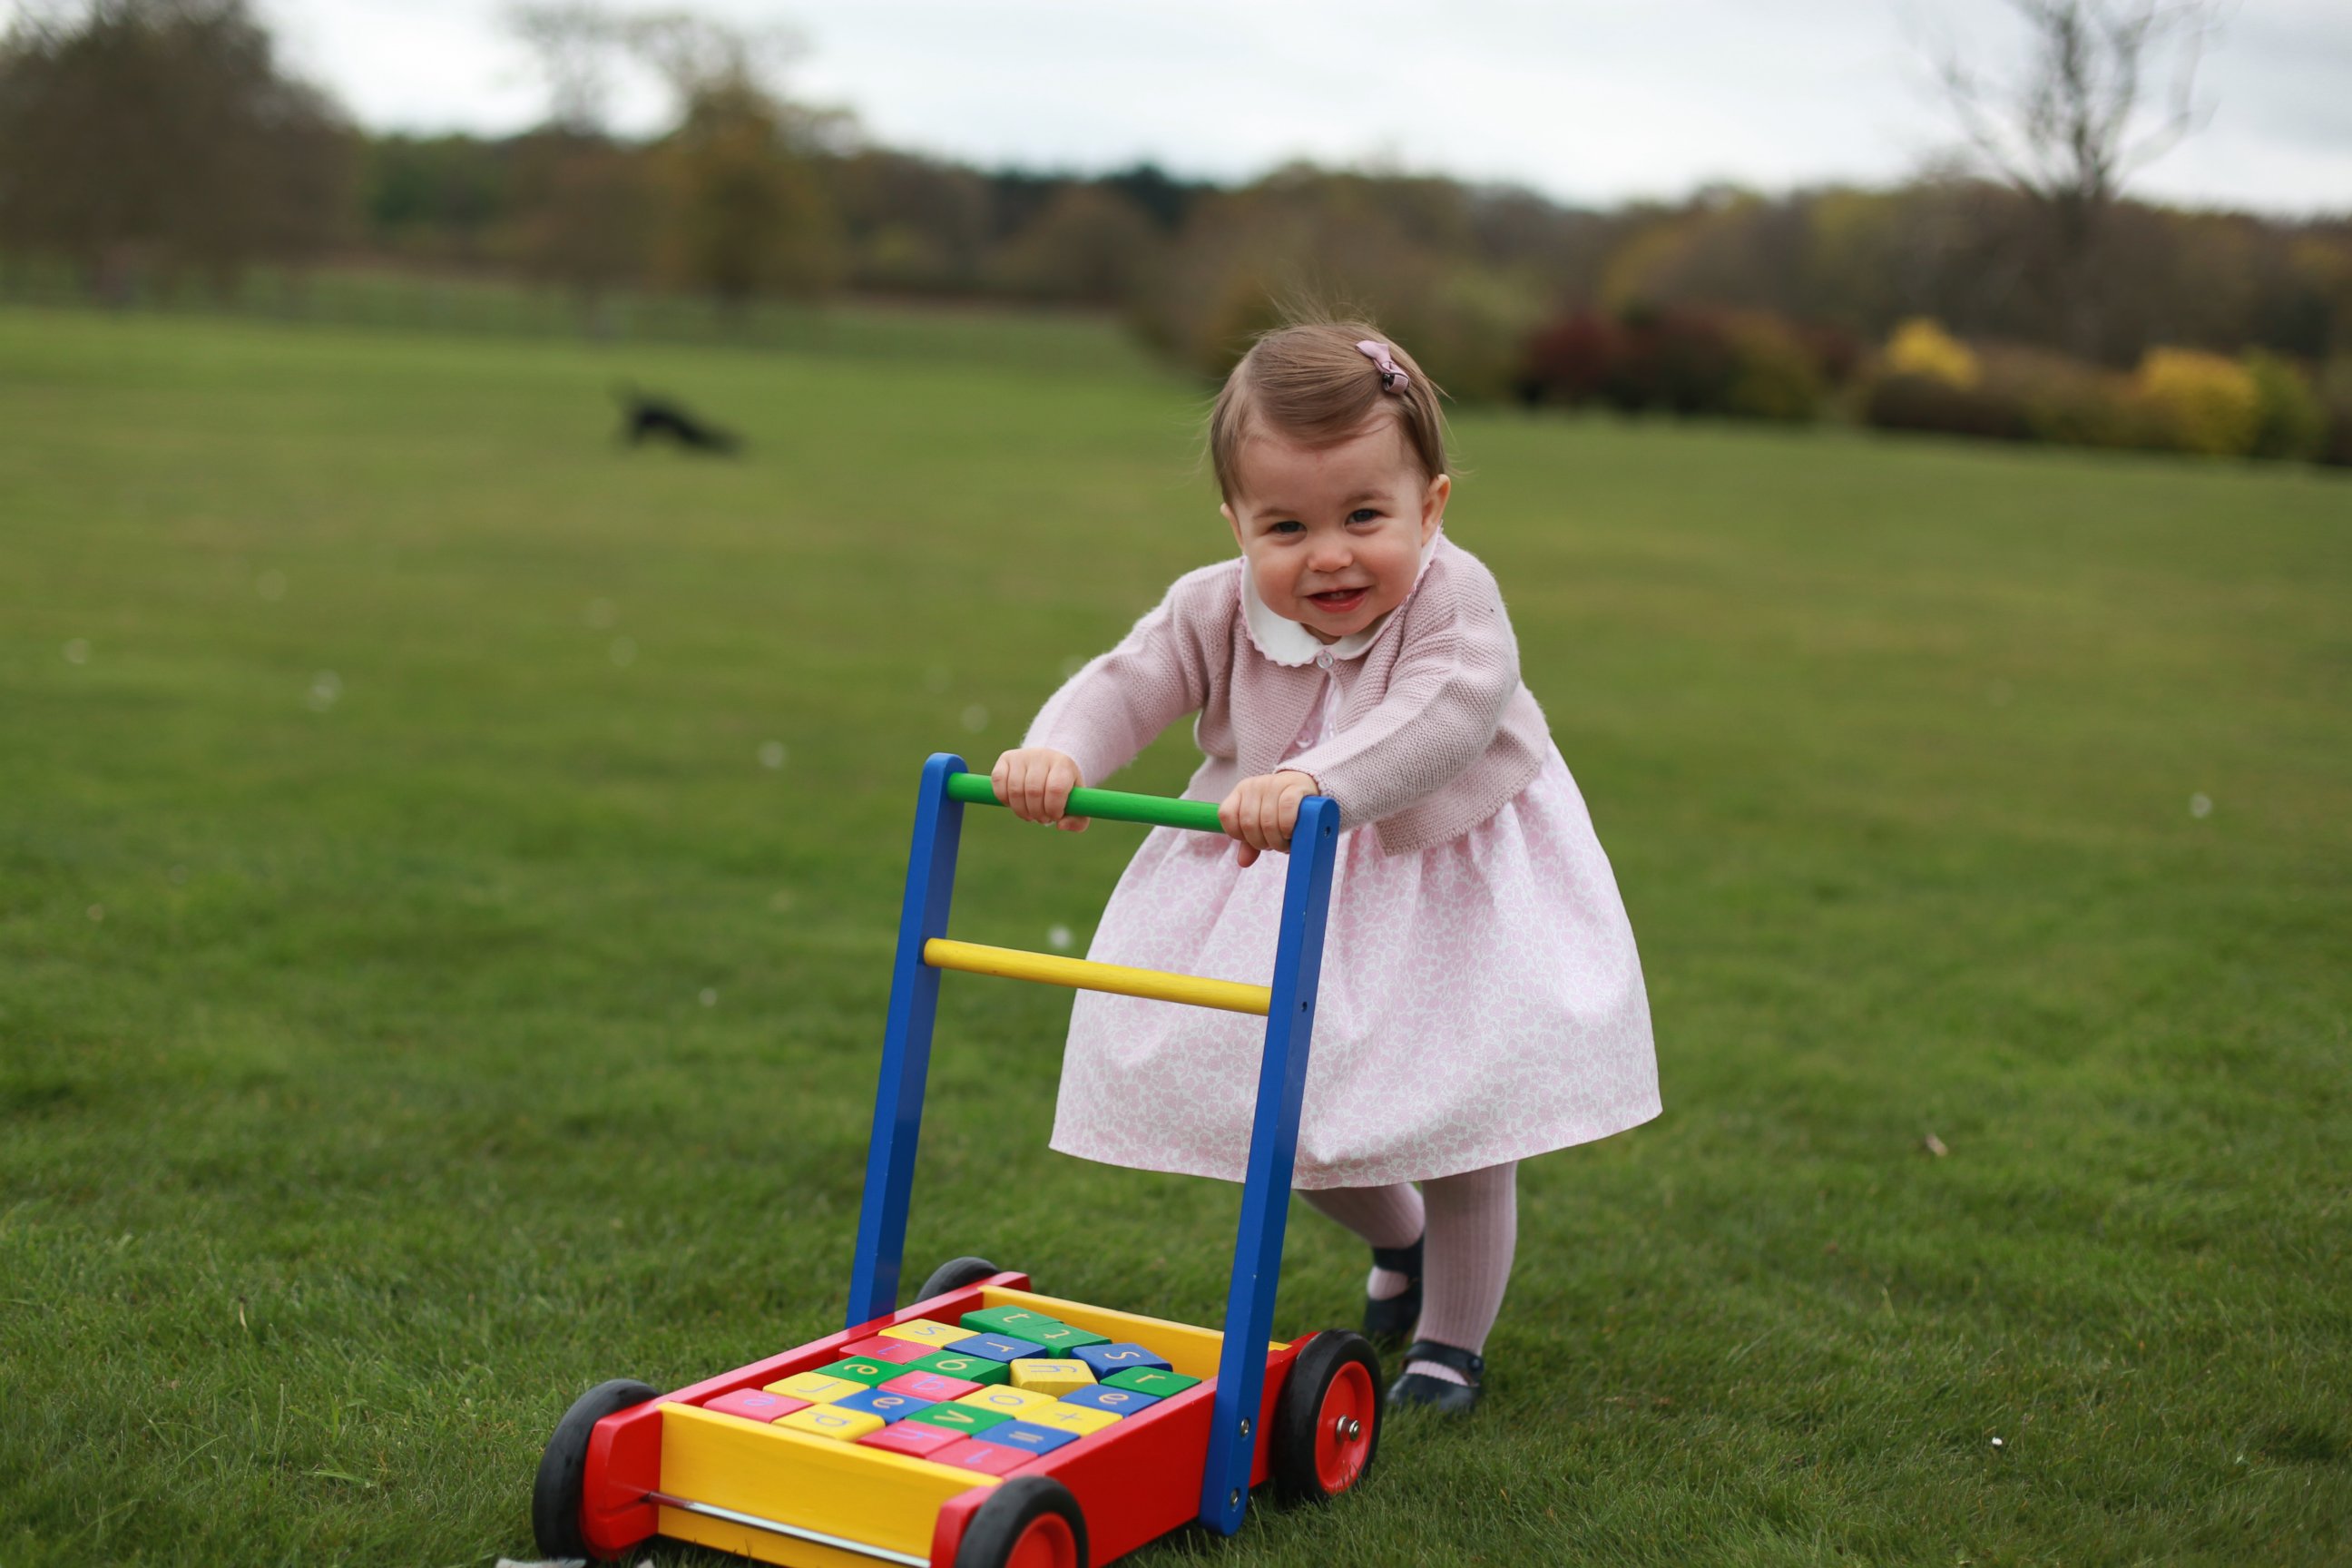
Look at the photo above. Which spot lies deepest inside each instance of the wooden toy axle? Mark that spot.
(1084, 974)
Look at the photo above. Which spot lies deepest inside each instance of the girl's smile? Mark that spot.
(1333, 534)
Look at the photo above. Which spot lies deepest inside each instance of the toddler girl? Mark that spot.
(1481, 1000)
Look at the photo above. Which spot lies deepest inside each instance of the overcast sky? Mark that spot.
(1589, 100)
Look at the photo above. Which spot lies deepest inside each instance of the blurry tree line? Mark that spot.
(159, 144)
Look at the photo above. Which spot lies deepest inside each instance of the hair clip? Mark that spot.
(1392, 377)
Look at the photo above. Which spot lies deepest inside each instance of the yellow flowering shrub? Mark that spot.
(1921, 348)
(2205, 403)
(2290, 421)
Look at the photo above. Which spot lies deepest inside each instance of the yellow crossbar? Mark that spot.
(1084, 974)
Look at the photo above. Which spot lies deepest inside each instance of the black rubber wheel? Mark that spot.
(555, 1496)
(1032, 1520)
(1326, 1424)
(954, 1275)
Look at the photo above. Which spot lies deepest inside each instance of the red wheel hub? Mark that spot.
(1343, 1430)
(1047, 1543)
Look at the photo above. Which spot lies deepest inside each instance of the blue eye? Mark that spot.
(1364, 514)
(1289, 527)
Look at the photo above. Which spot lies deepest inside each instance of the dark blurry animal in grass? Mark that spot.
(644, 419)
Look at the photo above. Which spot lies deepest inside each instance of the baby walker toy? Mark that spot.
(986, 1425)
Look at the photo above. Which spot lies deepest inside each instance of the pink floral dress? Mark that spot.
(1481, 1000)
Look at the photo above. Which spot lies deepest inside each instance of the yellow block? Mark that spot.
(1052, 1378)
(847, 1489)
(924, 1332)
(1013, 1402)
(843, 1425)
(816, 1387)
(1084, 974)
(1072, 1417)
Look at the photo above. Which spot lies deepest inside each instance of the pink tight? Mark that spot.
(1472, 1223)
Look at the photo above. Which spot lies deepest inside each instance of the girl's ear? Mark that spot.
(1232, 523)
(1433, 505)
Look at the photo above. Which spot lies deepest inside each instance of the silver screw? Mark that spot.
(1233, 1498)
(1348, 1428)
(1245, 1428)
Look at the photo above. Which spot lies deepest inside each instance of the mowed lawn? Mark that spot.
(450, 864)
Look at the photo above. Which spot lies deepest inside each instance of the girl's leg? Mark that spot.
(1383, 1217)
(1474, 1222)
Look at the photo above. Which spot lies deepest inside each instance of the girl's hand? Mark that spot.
(1036, 783)
(1262, 811)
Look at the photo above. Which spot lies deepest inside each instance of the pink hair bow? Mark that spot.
(1392, 377)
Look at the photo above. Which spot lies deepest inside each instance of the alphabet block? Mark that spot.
(1064, 1416)
(1015, 1321)
(892, 1407)
(756, 1405)
(930, 1385)
(996, 1347)
(1117, 1401)
(1156, 1381)
(970, 1368)
(988, 1459)
(924, 1331)
(1051, 1378)
(967, 1420)
(1005, 1401)
(815, 1386)
(1061, 1340)
(1107, 1358)
(825, 1421)
(913, 1439)
(879, 1349)
(1027, 1437)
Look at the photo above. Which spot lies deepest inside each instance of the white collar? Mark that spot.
(1288, 644)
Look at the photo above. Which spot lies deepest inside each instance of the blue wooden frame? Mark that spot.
(1274, 1133)
(1274, 1150)
(906, 1047)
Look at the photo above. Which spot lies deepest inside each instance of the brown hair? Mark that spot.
(1308, 381)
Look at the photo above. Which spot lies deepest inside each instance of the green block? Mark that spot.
(1061, 1338)
(860, 1370)
(1151, 1380)
(947, 1363)
(964, 1418)
(1014, 1322)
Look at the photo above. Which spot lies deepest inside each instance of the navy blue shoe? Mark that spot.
(1435, 1393)
(1388, 1321)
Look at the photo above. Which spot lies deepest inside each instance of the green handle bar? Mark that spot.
(1115, 806)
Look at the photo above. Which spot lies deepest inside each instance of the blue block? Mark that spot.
(999, 1347)
(1022, 1435)
(1117, 1401)
(880, 1402)
(1124, 1357)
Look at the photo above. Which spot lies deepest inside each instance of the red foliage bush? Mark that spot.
(1570, 360)
(1682, 361)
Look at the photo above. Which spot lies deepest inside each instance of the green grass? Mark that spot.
(381, 1112)
(379, 296)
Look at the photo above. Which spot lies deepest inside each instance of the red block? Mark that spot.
(971, 1454)
(913, 1437)
(751, 1404)
(930, 1385)
(881, 1349)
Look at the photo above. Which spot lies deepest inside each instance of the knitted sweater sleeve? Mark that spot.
(1108, 712)
(1452, 679)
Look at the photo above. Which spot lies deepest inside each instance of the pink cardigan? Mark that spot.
(1431, 734)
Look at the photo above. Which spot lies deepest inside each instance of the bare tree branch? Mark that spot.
(2062, 127)
(573, 42)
